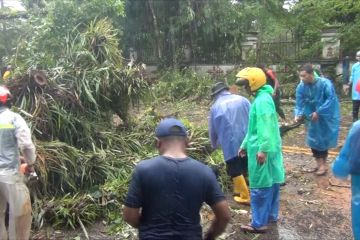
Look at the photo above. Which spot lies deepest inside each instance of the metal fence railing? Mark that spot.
(266, 52)
(276, 52)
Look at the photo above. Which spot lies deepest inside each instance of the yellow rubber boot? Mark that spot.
(241, 187)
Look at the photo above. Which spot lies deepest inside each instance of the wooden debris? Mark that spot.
(307, 202)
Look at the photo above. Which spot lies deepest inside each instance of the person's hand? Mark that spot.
(314, 117)
(261, 157)
(346, 88)
(26, 169)
(242, 153)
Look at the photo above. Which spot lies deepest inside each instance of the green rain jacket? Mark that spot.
(264, 136)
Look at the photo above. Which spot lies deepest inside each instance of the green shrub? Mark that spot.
(175, 85)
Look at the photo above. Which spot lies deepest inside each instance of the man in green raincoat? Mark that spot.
(262, 145)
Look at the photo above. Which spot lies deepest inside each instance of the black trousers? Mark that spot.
(319, 154)
(277, 103)
(237, 166)
(355, 110)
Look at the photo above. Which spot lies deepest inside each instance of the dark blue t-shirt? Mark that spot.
(171, 193)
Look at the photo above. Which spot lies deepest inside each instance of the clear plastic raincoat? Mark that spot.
(319, 97)
(228, 123)
(348, 162)
(264, 136)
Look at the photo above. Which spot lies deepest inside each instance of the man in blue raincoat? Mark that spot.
(228, 124)
(318, 105)
(348, 163)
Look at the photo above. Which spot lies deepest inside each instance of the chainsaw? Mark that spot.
(288, 127)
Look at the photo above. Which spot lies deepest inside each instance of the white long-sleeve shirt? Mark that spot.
(14, 135)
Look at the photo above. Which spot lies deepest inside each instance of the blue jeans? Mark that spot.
(265, 204)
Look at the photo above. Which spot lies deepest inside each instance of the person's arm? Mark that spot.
(212, 132)
(133, 200)
(23, 136)
(266, 126)
(300, 103)
(327, 107)
(132, 216)
(215, 198)
(341, 166)
(244, 142)
(267, 130)
(243, 145)
(222, 218)
(351, 80)
(348, 160)
(272, 75)
(276, 85)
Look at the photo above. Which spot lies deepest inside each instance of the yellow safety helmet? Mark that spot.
(254, 77)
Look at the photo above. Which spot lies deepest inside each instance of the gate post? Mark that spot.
(331, 43)
(248, 46)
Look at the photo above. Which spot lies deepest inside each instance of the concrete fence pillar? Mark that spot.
(248, 46)
(331, 43)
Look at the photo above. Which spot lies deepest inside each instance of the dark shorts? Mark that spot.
(237, 166)
(319, 154)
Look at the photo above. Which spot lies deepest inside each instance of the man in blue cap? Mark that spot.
(167, 192)
(228, 124)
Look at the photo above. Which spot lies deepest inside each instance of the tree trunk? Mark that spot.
(156, 29)
(192, 30)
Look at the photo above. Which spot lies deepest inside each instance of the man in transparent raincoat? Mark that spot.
(262, 145)
(228, 123)
(348, 163)
(318, 105)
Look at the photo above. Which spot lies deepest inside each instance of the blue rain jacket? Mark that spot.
(319, 97)
(348, 162)
(228, 123)
(355, 78)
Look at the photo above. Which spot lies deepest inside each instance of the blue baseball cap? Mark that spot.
(170, 127)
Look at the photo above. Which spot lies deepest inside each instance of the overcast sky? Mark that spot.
(289, 4)
(14, 5)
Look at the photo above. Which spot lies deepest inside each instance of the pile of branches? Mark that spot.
(86, 84)
(70, 105)
(79, 187)
(84, 160)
